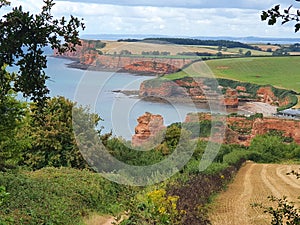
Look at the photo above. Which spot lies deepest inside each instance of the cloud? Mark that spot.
(236, 18)
(248, 4)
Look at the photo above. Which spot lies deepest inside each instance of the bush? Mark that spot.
(154, 207)
(271, 148)
(58, 196)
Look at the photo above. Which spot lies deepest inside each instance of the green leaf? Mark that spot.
(264, 15)
(297, 27)
(277, 7)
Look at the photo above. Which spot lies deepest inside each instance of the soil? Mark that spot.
(253, 183)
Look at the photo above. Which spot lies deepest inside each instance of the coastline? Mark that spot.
(76, 64)
(246, 108)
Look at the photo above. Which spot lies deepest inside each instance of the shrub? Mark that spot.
(154, 207)
(58, 196)
(284, 213)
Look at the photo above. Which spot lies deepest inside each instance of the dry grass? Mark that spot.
(139, 47)
(96, 219)
(99, 220)
(265, 47)
(253, 183)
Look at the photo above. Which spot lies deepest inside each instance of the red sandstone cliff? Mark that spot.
(191, 89)
(148, 126)
(238, 129)
(241, 130)
(231, 98)
(89, 56)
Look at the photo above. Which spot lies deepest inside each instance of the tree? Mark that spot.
(287, 15)
(22, 39)
(13, 138)
(248, 53)
(54, 143)
(241, 51)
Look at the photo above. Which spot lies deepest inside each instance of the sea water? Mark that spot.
(97, 89)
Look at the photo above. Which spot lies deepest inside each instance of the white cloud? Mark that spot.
(252, 4)
(235, 18)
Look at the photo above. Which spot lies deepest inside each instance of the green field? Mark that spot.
(280, 72)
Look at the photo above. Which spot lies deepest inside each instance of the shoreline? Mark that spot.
(76, 64)
(245, 108)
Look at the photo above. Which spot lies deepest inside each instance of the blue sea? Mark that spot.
(96, 90)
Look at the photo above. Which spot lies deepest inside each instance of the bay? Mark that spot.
(96, 90)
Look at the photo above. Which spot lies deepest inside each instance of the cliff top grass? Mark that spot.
(282, 72)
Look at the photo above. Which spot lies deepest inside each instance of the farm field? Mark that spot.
(137, 48)
(281, 72)
(253, 183)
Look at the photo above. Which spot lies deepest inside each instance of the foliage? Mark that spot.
(121, 151)
(287, 15)
(13, 139)
(155, 53)
(196, 191)
(198, 129)
(125, 52)
(195, 53)
(53, 142)
(22, 39)
(270, 148)
(248, 53)
(188, 41)
(3, 195)
(154, 207)
(280, 52)
(295, 173)
(59, 196)
(284, 213)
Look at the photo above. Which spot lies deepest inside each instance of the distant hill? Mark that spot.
(250, 39)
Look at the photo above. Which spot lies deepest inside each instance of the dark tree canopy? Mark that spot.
(23, 37)
(276, 14)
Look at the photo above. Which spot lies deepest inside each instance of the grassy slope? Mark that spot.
(58, 196)
(278, 71)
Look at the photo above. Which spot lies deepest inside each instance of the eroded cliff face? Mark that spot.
(227, 129)
(204, 89)
(90, 57)
(231, 98)
(241, 130)
(148, 126)
(192, 89)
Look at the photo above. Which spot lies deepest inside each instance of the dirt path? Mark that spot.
(253, 183)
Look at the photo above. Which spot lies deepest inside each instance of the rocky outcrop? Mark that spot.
(241, 88)
(208, 89)
(266, 95)
(148, 126)
(289, 128)
(231, 98)
(241, 130)
(196, 90)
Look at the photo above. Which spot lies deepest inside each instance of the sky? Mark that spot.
(236, 18)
